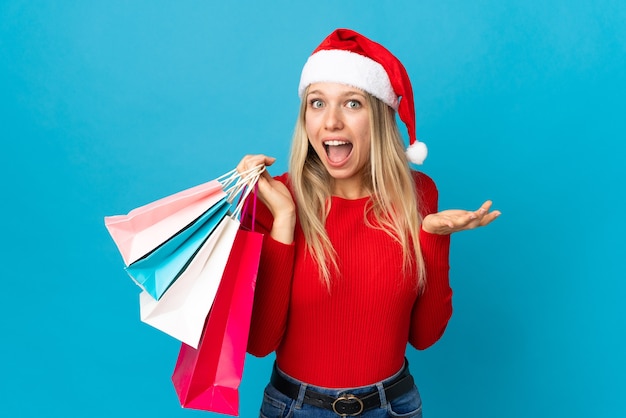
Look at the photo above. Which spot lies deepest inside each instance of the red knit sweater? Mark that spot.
(357, 333)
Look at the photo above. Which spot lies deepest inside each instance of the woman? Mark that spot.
(355, 258)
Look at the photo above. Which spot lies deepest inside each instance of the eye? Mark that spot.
(353, 104)
(316, 103)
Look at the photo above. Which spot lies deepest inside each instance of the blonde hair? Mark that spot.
(394, 200)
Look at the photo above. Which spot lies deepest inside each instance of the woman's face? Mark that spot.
(337, 125)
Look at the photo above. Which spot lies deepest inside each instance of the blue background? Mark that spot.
(105, 106)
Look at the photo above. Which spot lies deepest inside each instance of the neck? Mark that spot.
(349, 189)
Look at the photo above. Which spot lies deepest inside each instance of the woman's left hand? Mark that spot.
(454, 220)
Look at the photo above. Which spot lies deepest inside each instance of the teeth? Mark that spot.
(335, 143)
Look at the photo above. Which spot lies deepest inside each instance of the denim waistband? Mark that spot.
(336, 392)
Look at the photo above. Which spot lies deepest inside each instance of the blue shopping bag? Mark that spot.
(156, 272)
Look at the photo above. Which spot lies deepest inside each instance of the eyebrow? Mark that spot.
(344, 94)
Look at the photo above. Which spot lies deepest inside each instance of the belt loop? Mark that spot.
(301, 394)
(382, 395)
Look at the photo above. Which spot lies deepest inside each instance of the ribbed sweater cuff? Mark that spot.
(277, 258)
(435, 248)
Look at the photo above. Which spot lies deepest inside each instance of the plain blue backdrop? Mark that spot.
(108, 105)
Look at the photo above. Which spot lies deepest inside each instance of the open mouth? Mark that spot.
(337, 151)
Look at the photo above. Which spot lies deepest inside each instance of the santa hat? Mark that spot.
(348, 57)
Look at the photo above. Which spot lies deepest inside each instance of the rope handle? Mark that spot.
(243, 187)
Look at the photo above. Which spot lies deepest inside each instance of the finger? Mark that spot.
(266, 191)
(261, 159)
(263, 187)
(242, 163)
(480, 213)
(470, 219)
(267, 179)
(484, 208)
(487, 219)
(248, 162)
(266, 183)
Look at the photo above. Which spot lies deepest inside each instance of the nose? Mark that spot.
(333, 119)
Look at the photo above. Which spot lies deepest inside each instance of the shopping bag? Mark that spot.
(181, 312)
(158, 270)
(146, 227)
(208, 377)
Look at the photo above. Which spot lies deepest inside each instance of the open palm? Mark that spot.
(454, 220)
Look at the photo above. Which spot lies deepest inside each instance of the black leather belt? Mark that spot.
(347, 405)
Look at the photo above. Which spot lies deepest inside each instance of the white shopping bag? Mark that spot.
(182, 310)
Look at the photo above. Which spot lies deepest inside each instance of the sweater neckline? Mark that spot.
(342, 201)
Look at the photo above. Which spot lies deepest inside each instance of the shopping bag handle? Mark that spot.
(233, 178)
(245, 206)
(237, 182)
(244, 187)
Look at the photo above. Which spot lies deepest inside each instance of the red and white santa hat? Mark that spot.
(348, 57)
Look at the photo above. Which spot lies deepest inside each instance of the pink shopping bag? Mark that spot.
(208, 378)
(145, 228)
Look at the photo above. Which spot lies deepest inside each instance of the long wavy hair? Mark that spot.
(393, 203)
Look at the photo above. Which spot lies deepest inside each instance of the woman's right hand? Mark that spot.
(275, 196)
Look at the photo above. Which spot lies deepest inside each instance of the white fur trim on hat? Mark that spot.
(345, 67)
(417, 152)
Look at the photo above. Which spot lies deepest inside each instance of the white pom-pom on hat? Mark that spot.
(417, 152)
(348, 57)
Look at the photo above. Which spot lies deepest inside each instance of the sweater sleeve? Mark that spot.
(433, 307)
(273, 286)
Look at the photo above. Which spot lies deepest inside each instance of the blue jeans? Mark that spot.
(277, 405)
